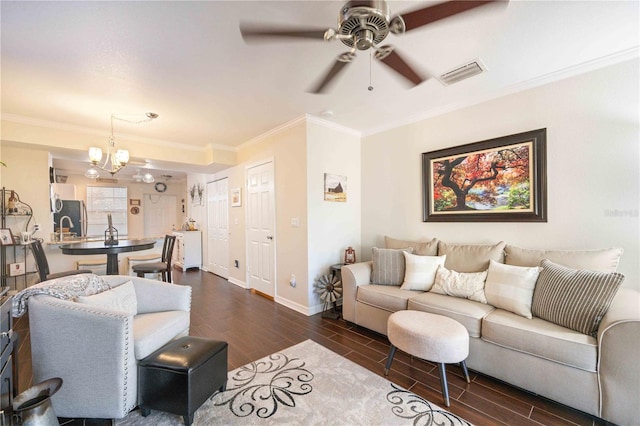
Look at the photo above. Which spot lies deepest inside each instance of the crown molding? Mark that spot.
(583, 68)
(271, 132)
(334, 126)
(19, 119)
(296, 121)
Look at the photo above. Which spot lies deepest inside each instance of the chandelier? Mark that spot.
(115, 159)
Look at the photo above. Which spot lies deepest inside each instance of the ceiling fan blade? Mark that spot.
(340, 63)
(255, 33)
(420, 17)
(388, 56)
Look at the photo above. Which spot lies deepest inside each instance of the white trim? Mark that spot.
(308, 311)
(585, 67)
(331, 125)
(275, 130)
(105, 134)
(237, 282)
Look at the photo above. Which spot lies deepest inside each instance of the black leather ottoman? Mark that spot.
(179, 377)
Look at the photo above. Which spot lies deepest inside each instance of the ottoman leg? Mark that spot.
(392, 352)
(463, 364)
(145, 411)
(443, 383)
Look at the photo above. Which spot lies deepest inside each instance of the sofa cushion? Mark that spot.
(605, 260)
(121, 298)
(153, 330)
(389, 298)
(541, 338)
(420, 271)
(466, 312)
(576, 299)
(468, 285)
(511, 287)
(422, 248)
(471, 257)
(388, 266)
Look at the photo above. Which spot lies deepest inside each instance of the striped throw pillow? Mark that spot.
(388, 266)
(574, 298)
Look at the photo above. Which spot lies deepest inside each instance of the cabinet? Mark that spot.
(187, 251)
(7, 344)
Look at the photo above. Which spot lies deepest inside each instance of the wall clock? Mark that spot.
(161, 186)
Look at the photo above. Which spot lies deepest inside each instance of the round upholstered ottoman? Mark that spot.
(430, 337)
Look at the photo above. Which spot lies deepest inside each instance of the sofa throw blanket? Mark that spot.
(66, 288)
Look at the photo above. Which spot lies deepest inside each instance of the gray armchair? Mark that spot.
(95, 349)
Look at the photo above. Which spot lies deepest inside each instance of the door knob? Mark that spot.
(269, 237)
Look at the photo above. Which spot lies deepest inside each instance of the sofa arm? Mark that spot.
(619, 351)
(156, 296)
(352, 276)
(92, 349)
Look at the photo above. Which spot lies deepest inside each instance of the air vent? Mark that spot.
(107, 180)
(462, 72)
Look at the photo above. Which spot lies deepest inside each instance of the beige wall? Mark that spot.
(593, 171)
(287, 148)
(27, 173)
(332, 226)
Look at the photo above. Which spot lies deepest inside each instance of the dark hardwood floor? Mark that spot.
(255, 327)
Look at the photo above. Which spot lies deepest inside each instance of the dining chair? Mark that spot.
(163, 267)
(43, 265)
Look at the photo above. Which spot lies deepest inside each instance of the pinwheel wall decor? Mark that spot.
(329, 288)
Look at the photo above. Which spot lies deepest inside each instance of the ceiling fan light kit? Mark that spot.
(363, 25)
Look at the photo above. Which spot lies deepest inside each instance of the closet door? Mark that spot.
(261, 228)
(218, 227)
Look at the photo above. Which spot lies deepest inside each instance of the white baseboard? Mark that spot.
(305, 310)
(237, 282)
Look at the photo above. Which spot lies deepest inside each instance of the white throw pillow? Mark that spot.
(420, 271)
(511, 287)
(466, 285)
(122, 298)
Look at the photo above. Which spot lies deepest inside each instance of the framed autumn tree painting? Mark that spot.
(497, 180)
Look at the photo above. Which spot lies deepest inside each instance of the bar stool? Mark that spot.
(163, 267)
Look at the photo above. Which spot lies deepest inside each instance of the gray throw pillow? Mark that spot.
(422, 248)
(388, 266)
(574, 298)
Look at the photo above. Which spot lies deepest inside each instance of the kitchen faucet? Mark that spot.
(60, 225)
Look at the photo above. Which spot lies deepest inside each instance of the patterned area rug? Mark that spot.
(311, 385)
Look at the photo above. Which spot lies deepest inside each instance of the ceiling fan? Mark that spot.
(363, 25)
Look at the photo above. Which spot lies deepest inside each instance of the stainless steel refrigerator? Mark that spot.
(77, 211)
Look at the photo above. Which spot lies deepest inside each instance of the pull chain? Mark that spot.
(370, 66)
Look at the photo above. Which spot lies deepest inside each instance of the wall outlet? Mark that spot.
(236, 263)
(292, 281)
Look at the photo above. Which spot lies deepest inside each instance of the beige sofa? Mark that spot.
(598, 375)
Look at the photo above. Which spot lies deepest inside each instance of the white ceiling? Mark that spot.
(76, 63)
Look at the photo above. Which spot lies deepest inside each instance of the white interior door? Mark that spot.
(159, 214)
(260, 228)
(218, 227)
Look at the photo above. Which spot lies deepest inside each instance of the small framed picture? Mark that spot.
(236, 197)
(134, 201)
(6, 237)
